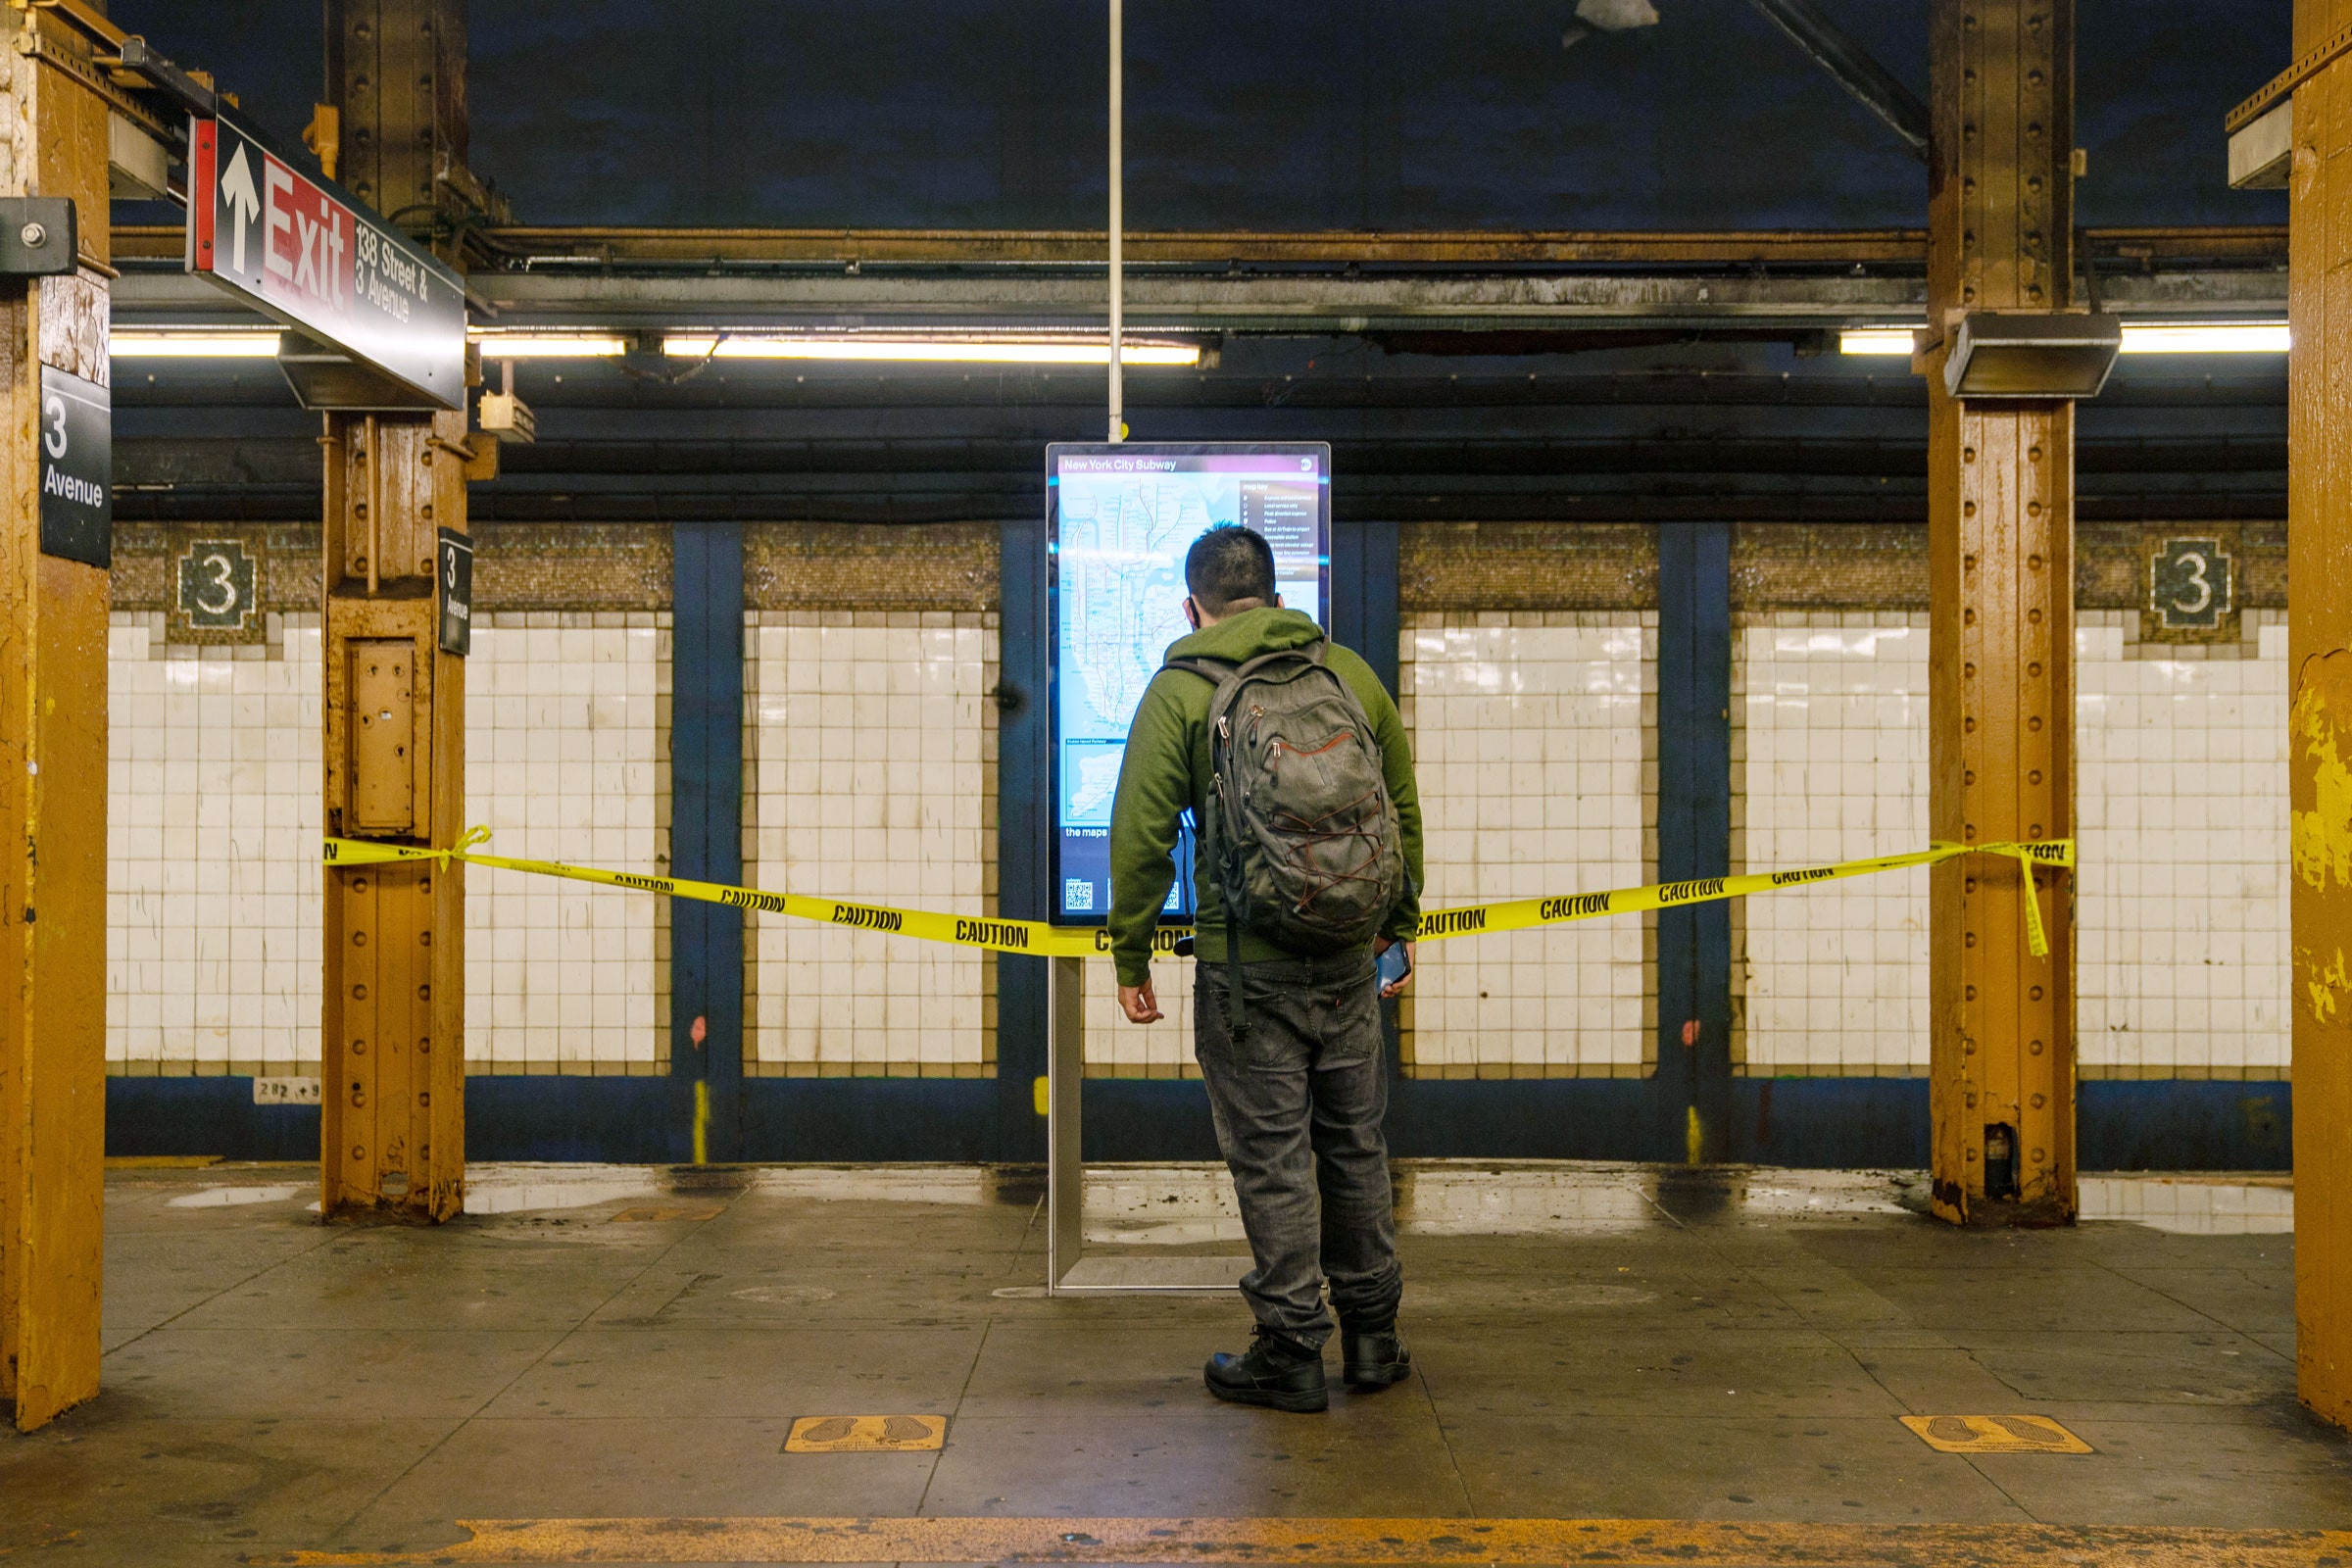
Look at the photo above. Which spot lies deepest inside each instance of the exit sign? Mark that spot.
(300, 250)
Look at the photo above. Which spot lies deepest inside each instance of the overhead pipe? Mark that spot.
(1872, 85)
(1118, 224)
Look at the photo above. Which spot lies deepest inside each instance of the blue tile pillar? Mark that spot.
(1695, 838)
(1363, 594)
(1024, 823)
(1364, 617)
(705, 833)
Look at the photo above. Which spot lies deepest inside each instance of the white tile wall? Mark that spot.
(1829, 762)
(872, 773)
(1529, 733)
(567, 758)
(1117, 1049)
(212, 826)
(873, 770)
(2181, 910)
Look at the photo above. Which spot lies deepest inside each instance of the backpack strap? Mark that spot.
(1237, 1022)
(1311, 653)
(1213, 841)
(1216, 672)
(1212, 670)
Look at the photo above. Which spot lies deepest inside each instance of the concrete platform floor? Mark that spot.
(1593, 1344)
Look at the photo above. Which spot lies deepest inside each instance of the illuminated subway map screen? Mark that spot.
(1120, 520)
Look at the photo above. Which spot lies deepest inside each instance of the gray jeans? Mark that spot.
(1297, 1108)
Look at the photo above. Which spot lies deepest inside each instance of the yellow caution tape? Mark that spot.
(1040, 939)
(969, 931)
(1521, 914)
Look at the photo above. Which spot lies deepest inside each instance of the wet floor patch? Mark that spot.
(1160, 1205)
(2193, 1203)
(1603, 1295)
(1189, 1204)
(1180, 1205)
(784, 1294)
(954, 1185)
(1446, 1199)
(519, 1188)
(237, 1197)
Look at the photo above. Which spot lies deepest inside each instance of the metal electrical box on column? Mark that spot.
(2000, 546)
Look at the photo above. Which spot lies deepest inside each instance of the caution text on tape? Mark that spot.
(1041, 939)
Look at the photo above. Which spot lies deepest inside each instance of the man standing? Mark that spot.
(1243, 728)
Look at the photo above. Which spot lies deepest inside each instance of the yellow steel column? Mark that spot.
(2000, 546)
(53, 683)
(393, 1127)
(393, 1047)
(2320, 722)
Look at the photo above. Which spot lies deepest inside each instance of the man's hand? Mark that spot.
(1412, 964)
(1138, 1003)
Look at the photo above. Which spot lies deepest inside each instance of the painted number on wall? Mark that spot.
(2189, 584)
(217, 585)
(285, 1092)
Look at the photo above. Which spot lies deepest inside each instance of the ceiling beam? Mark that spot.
(1276, 302)
(634, 247)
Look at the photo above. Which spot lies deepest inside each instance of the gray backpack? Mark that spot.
(1301, 833)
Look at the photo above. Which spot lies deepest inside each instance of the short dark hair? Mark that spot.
(1227, 564)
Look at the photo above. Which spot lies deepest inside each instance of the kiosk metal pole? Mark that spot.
(1065, 1072)
(1118, 225)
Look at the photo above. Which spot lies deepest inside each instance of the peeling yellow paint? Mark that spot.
(2322, 834)
(2320, 809)
(2326, 984)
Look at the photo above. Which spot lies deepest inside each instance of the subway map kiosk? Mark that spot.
(1118, 521)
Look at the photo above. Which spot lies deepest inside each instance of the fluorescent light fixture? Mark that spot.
(964, 351)
(2139, 337)
(1875, 340)
(550, 345)
(173, 345)
(2206, 338)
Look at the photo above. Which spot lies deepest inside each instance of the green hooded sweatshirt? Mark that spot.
(1166, 770)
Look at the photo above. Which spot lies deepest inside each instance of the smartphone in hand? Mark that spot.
(1394, 965)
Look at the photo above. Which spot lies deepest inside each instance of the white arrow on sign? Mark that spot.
(244, 203)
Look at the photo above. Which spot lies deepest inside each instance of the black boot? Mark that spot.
(1278, 1373)
(1373, 1356)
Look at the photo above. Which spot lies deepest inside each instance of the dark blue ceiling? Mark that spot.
(1241, 114)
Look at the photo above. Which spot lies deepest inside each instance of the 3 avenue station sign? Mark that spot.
(302, 251)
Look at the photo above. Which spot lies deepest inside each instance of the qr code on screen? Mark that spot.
(1077, 893)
